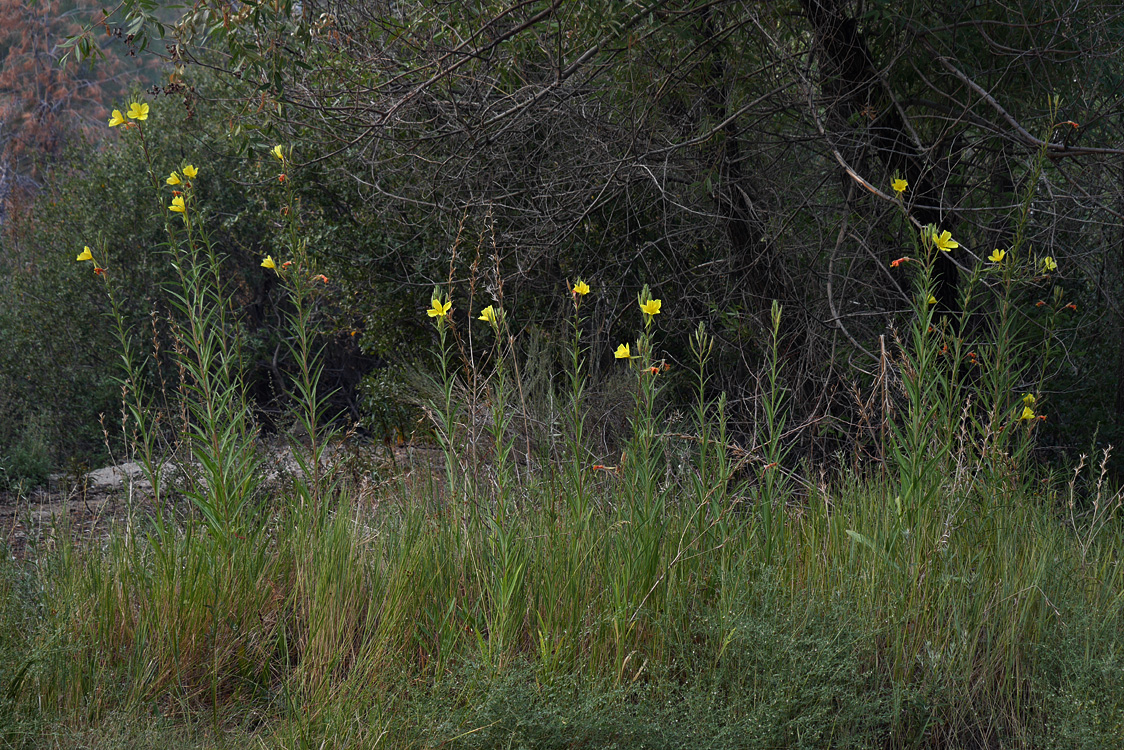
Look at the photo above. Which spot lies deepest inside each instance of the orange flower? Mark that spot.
(286, 264)
(1039, 303)
(1071, 306)
(99, 271)
(899, 261)
(320, 277)
(281, 178)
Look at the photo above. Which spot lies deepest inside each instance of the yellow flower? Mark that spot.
(651, 307)
(944, 241)
(177, 205)
(1027, 415)
(932, 300)
(488, 315)
(278, 152)
(189, 172)
(624, 351)
(581, 288)
(85, 254)
(138, 111)
(899, 186)
(173, 179)
(269, 263)
(438, 310)
(1049, 264)
(997, 255)
(1029, 399)
(116, 119)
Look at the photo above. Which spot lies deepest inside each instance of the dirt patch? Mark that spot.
(86, 507)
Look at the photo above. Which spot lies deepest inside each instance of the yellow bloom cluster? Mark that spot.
(137, 111)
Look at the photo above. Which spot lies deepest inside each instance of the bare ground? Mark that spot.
(87, 507)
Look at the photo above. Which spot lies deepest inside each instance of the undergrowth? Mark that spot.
(683, 592)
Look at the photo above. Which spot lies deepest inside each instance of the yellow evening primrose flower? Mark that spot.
(899, 186)
(138, 111)
(997, 255)
(581, 288)
(116, 119)
(85, 254)
(269, 263)
(488, 315)
(932, 300)
(278, 152)
(1027, 415)
(1029, 399)
(177, 205)
(1049, 264)
(190, 172)
(173, 179)
(624, 351)
(651, 307)
(439, 310)
(944, 241)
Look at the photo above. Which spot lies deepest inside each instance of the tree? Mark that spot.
(44, 106)
(733, 154)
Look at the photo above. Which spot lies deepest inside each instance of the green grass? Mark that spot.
(694, 595)
(983, 626)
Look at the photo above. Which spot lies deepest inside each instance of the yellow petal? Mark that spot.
(997, 255)
(85, 254)
(174, 179)
(624, 351)
(488, 314)
(278, 153)
(190, 172)
(138, 111)
(177, 205)
(899, 186)
(116, 119)
(944, 241)
(268, 263)
(581, 288)
(439, 310)
(651, 307)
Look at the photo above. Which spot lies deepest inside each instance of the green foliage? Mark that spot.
(696, 593)
(29, 459)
